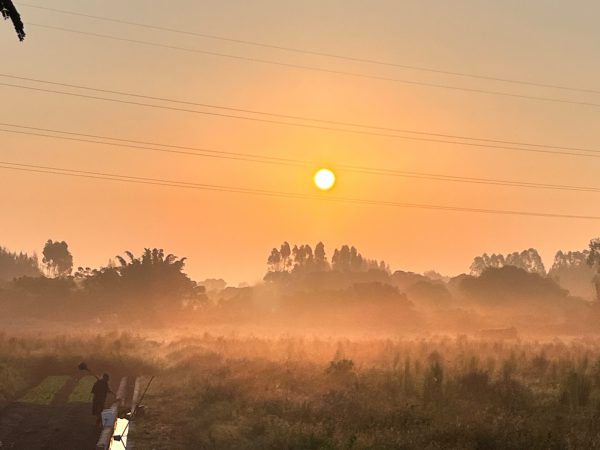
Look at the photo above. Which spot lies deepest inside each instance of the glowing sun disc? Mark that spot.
(324, 179)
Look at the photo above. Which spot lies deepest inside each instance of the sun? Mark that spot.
(324, 179)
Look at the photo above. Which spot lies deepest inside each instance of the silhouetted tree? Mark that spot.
(593, 260)
(57, 258)
(514, 286)
(321, 264)
(571, 271)
(348, 259)
(340, 260)
(477, 266)
(15, 265)
(356, 260)
(528, 260)
(274, 261)
(301, 264)
(496, 260)
(10, 12)
(297, 256)
(309, 257)
(43, 297)
(152, 281)
(297, 259)
(303, 258)
(285, 253)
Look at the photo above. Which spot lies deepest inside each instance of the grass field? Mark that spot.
(44, 392)
(281, 392)
(83, 390)
(437, 393)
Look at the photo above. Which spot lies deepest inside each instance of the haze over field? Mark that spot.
(306, 289)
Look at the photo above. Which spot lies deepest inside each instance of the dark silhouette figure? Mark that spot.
(10, 12)
(100, 391)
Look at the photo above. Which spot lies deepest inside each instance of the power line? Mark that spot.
(316, 53)
(191, 151)
(322, 69)
(301, 125)
(127, 143)
(211, 187)
(290, 116)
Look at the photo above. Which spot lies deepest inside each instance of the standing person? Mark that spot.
(100, 391)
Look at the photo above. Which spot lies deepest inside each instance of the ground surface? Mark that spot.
(52, 415)
(30, 425)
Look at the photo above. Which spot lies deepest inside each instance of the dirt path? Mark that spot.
(61, 425)
(65, 427)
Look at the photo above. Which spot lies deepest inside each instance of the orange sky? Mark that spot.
(230, 235)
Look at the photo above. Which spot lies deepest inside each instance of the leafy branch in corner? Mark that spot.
(10, 12)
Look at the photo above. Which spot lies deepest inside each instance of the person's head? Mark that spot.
(105, 377)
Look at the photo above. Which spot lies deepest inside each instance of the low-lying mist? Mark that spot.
(304, 292)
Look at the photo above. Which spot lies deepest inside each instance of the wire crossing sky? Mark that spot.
(237, 156)
(313, 52)
(325, 70)
(394, 97)
(285, 116)
(289, 195)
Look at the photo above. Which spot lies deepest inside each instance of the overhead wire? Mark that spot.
(321, 69)
(219, 154)
(314, 52)
(574, 152)
(246, 157)
(288, 116)
(212, 187)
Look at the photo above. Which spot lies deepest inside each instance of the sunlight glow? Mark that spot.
(324, 179)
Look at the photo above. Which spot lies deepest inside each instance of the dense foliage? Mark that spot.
(304, 288)
(15, 265)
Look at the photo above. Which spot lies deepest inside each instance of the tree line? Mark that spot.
(144, 285)
(573, 270)
(302, 259)
(300, 279)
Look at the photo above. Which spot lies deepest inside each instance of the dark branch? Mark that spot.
(9, 11)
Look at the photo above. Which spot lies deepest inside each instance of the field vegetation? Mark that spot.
(44, 392)
(289, 392)
(298, 393)
(83, 390)
(338, 353)
(33, 368)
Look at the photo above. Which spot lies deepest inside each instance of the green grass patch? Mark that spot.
(44, 392)
(83, 390)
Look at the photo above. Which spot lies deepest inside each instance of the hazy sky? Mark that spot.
(230, 234)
